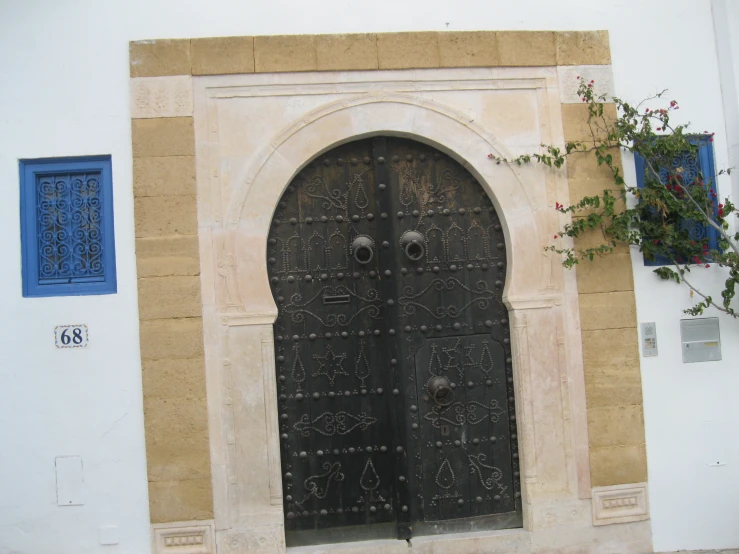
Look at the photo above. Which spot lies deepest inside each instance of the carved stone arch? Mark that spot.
(267, 176)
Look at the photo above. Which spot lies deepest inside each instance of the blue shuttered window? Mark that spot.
(692, 164)
(67, 241)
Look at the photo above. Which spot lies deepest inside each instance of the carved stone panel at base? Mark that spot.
(620, 504)
(267, 539)
(183, 537)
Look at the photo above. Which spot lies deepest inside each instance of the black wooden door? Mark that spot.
(387, 262)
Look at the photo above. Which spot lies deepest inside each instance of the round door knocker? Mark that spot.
(413, 245)
(440, 390)
(363, 249)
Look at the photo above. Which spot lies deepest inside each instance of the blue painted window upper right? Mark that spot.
(693, 164)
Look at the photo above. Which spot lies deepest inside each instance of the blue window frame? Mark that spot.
(692, 164)
(67, 241)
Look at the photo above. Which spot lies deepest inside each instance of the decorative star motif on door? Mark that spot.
(330, 365)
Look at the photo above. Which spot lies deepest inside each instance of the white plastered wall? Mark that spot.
(64, 91)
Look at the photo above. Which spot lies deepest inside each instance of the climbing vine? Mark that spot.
(675, 216)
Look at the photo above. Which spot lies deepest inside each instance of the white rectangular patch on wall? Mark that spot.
(649, 339)
(701, 340)
(71, 336)
(69, 481)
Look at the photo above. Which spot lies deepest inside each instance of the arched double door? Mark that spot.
(395, 389)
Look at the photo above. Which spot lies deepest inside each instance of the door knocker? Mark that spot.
(440, 390)
(413, 245)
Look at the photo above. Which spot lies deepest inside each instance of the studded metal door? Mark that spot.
(387, 263)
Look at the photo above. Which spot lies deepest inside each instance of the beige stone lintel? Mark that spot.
(362, 51)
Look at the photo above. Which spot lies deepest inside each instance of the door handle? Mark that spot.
(441, 390)
(413, 245)
(363, 249)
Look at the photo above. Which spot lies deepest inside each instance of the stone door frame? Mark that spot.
(238, 331)
(235, 205)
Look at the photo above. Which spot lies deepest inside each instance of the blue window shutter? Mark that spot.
(705, 165)
(67, 231)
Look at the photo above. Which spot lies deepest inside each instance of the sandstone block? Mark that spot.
(173, 378)
(615, 426)
(285, 53)
(176, 418)
(610, 347)
(607, 274)
(158, 216)
(162, 136)
(164, 176)
(526, 48)
(163, 256)
(346, 52)
(408, 50)
(468, 49)
(618, 465)
(609, 310)
(222, 55)
(613, 386)
(583, 48)
(167, 297)
(576, 126)
(171, 338)
(584, 165)
(180, 500)
(157, 58)
(580, 188)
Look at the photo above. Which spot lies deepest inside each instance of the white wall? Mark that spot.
(64, 91)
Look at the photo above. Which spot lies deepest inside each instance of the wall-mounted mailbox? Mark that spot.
(700, 339)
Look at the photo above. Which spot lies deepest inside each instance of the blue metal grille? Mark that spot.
(70, 238)
(693, 164)
(67, 226)
(688, 162)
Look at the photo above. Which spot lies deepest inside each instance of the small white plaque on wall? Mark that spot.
(71, 336)
(69, 481)
(649, 339)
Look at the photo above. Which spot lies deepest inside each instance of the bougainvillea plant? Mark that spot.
(671, 217)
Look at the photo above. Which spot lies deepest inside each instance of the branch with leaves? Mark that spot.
(676, 218)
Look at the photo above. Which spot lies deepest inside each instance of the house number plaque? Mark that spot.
(71, 336)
